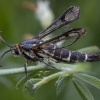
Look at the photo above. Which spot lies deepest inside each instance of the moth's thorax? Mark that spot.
(29, 45)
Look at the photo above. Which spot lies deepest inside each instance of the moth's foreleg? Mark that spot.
(25, 67)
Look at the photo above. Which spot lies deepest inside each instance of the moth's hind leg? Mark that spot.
(52, 60)
(46, 63)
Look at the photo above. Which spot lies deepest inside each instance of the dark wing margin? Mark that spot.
(74, 33)
(70, 15)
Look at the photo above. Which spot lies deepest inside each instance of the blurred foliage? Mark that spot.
(15, 21)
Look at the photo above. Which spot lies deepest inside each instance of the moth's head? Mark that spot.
(15, 50)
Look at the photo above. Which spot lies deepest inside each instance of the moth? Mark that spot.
(36, 49)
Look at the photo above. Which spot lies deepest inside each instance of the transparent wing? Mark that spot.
(70, 15)
(75, 33)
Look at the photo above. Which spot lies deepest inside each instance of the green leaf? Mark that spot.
(20, 82)
(30, 86)
(89, 79)
(83, 91)
(23, 79)
(88, 49)
(61, 82)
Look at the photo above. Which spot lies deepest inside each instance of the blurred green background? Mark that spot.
(16, 21)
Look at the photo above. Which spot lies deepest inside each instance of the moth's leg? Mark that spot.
(50, 66)
(25, 67)
(49, 60)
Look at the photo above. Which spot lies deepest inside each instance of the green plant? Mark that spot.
(41, 74)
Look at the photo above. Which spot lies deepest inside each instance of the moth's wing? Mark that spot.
(73, 34)
(61, 30)
(70, 15)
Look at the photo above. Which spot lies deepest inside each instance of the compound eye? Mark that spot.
(16, 52)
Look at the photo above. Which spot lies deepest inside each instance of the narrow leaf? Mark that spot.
(30, 86)
(89, 79)
(89, 49)
(61, 82)
(23, 79)
(83, 91)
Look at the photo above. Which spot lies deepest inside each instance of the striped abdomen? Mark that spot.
(62, 54)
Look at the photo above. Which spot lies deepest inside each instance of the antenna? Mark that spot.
(5, 42)
(4, 54)
(7, 45)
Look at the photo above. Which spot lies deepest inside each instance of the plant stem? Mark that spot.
(59, 67)
(53, 76)
(20, 70)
